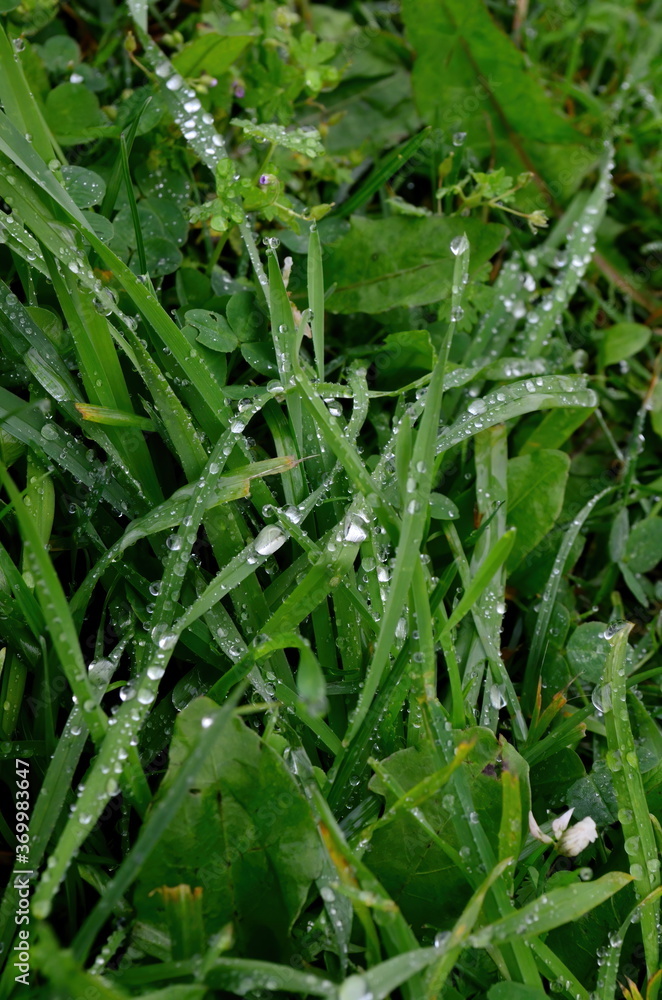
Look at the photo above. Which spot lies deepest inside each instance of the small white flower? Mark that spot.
(536, 832)
(569, 842)
(577, 838)
(560, 825)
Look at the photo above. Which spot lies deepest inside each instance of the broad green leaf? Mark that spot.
(72, 112)
(593, 795)
(85, 186)
(60, 53)
(404, 357)
(162, 256)
(426, 883)
(442, 508)
(623, 340)
(212, 329)
(468, 70)
(536, 487)
(210, 53)
(174, 794)
(382, 263)
(244, 833)
(555, 428)
(643, 549)
(586, 651)
(246, 316)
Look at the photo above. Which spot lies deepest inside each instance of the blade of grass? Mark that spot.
(557, 907)
(414, 517)
(316, 298)
(633, 812)
(382, 172)
(133, 207)
(56, 613)
(537, 651)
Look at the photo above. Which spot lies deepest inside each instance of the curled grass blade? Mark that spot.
(538, 643)
(527, 396)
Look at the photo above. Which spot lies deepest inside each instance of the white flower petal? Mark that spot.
(561, 824)
(577, 838)
(536, 832)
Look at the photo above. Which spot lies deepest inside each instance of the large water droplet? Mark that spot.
(459, 244)
(269, 540)
(355, 988)
(354, 529)
(601, 697)
(612, 628)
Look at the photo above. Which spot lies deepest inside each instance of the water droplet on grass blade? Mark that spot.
(269, 540)
(601, 698)
(497, 697)
(355, 988)
(459, 244)
(613, 628)
(354, 529)
(476, 406)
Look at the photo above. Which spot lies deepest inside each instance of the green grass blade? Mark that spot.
(19, 104)
(527, 396)
(316, 298)
(56, 613)
(418, 487)
(538, 643)
(633, 809)
(133, 207)
(382, 172)
(558, 907)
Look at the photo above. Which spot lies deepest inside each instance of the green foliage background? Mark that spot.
(330, 521)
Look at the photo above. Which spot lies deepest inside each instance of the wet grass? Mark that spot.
(331, 523)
